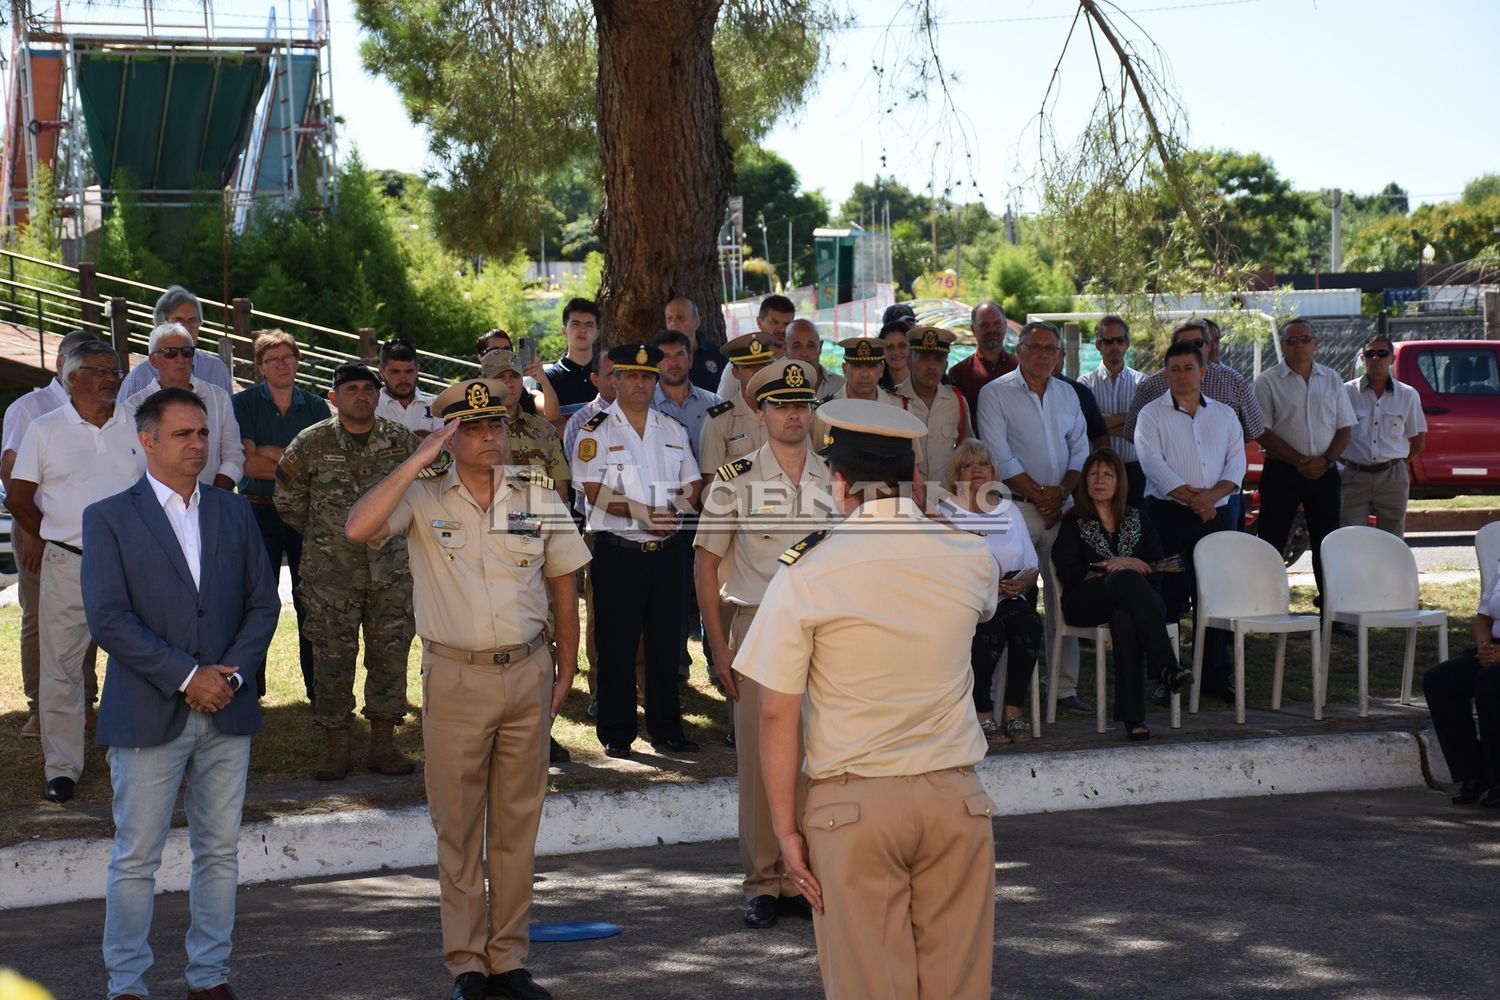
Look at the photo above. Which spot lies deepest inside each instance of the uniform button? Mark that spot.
(201, 612)
(830, 824)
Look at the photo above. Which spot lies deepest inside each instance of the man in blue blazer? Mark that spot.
(179, 593)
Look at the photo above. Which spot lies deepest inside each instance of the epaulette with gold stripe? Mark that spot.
(735, 469)
(438, 468)
(791, 555)
(536, 477)
(721, 408)
(592, 423)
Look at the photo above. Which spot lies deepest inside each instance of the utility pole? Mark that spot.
(789, 253)
(1336, 251)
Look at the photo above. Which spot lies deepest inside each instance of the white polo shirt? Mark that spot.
(416, 418)
(226, 450)
(1383, 425)
(74, 463)
(1305, 413)
(1177, 448)
(651, 469)
(24, 411)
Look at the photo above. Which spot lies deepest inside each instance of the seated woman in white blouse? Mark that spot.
(977, 503)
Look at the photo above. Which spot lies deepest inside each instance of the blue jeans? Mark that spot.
(145, 790)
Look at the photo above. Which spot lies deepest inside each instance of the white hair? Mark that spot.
(164, 331)
(79, 355)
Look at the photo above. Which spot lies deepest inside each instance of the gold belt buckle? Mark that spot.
(650, 546)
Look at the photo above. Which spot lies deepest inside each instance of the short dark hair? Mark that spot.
(673, 337)
(1380, 338)
(482, 344)
(148, 415)
(1179, 348)
(775, 304)
(398, 349)
(863, 467)
(1112, 320)
(1190, 324)
(579, 304)
(1296, 321)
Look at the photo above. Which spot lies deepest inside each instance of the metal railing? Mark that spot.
(54, 298)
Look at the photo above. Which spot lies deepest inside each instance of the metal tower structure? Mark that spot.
(227, 100)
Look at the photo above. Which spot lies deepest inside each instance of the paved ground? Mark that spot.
(1435, 553)
(1369, 896)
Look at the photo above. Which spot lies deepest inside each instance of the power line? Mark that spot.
(969, 22)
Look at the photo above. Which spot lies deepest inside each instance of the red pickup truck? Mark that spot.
(1459, 383)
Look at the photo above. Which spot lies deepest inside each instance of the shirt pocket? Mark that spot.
(449, 535)
(523, 549)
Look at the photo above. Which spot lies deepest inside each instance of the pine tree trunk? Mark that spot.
(667, 168)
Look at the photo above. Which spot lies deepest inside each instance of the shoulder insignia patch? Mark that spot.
(791, 555)
(438, 468)
(721, 408)
(587, 449)
(592, 423)
(536, 477)
(735, 469)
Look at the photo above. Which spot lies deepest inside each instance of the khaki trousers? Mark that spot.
(1384, 494)
(64, 644)
(1042, 538)
(760, 852)
(484, 728)
(29, 591)
(907, 867)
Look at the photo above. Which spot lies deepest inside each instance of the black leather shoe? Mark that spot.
(59, 790)
(1074, 705)
(616, 750)
(558, 754)
(1160, 696)
(469, 986)
(729, 738)
(794, 906)
(761, 912)
(1470, 792)
(1490, 799)
(516, 984)
(674, 746)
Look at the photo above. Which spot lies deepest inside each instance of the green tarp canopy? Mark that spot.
(169, 120)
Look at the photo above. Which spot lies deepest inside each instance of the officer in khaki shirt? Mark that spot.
(489, 552)
(940, 407)
(753, 511)
(733, 429)
(898, 859)
(864, 362)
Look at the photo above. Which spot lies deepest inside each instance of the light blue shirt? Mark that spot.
(692, 412)
(206, 366)
(1044, 438)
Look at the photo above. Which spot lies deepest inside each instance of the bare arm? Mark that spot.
(1418, 444)
(547, 408)
(260, 459)
(780, 724)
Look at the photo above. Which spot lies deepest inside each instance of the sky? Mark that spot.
(1344, 94)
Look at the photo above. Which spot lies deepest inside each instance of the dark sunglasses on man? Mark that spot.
(172, 352)
(1378, 352)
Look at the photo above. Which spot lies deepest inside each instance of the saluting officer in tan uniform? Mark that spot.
(898, 859)
(489, 551)
(940, 407)
(755, 509)
(733, 429)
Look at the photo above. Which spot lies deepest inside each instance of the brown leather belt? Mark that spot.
(502, 656)
(1377, 467)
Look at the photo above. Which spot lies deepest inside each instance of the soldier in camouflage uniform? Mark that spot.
(325, 469)
(533, 441)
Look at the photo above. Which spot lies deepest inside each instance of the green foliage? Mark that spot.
(38, 236)
(1458, 231)
(1022, 284)
(773, 195)
(1481, 189)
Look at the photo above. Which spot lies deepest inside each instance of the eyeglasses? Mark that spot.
(172, 352)
(1196, 345)
(103, 372)
(1378, 353)
(1112, 340)
(1041, 348)
(1302, 338)
(280, 359)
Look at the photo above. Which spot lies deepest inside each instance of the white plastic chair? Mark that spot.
(1100, 636)
(1487, 549)
(1370, 581)
(1243, 589)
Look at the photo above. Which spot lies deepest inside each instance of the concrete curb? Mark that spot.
(344, 843)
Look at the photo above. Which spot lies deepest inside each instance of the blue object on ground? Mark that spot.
(576, 930)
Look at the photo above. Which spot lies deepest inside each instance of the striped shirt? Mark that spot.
(1199, 449)
(1114, 393)
(1221, 384)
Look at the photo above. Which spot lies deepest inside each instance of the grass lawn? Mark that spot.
(286, 752)
(1455, 503)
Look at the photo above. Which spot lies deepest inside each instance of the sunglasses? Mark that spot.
(1112, 340)
(172, 352)
(1304, 338)
(103, 372)
(1196, 345)
(1378, 353)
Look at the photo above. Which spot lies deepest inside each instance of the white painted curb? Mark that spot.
(360, 840)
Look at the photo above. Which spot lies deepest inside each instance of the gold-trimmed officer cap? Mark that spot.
(784, 381)
(931, 339)
(863, 350)
(471, 399)
(635, 357)
(750, 350)
(499, 360)
(868, 427)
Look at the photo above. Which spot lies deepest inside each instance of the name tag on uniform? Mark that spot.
(677, 446)
(446, 528)
(617, 447)
(761, 511)
(738, 437)
(522, 523)
(332, 458)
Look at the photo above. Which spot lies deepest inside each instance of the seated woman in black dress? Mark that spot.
(1461, 688)
(1102, 558)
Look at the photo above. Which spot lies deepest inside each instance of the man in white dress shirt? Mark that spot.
(171, 353)
(18, 417)
(1034, 426)
(400, 399)
(1308, 423)
(1389, 431)
(78, 453)
(1193, 453)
